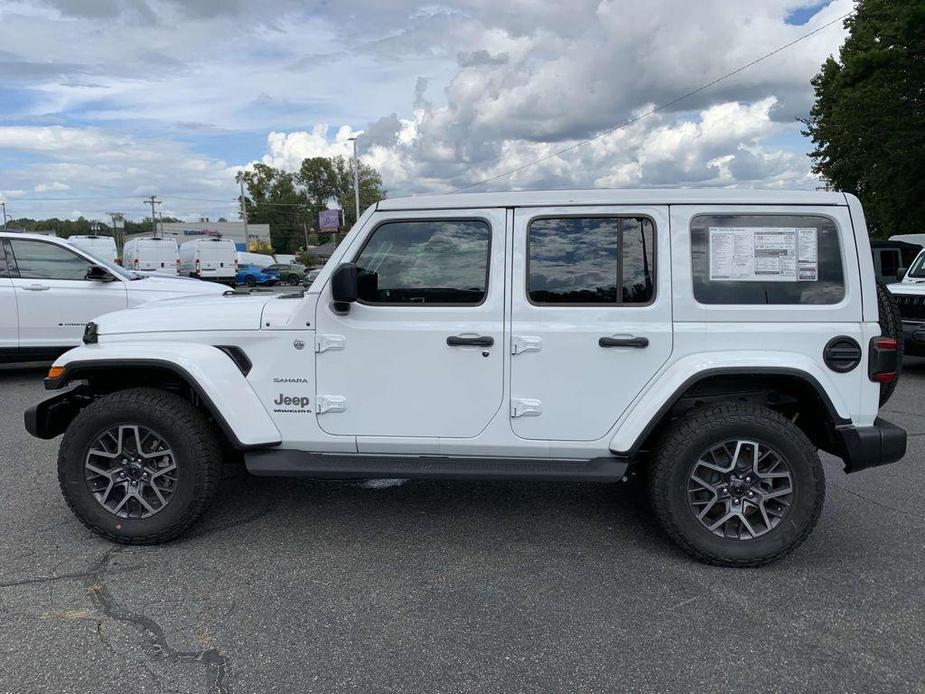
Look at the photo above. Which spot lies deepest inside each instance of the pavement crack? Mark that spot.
(871, 500)
(77, 575)
(215, 664)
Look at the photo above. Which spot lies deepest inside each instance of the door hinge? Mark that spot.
(525, 343)
(327, 342)
(330, 403)
(526, 407)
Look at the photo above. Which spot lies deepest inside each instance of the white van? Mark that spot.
(103, 247)
(258, 259)
(152, 255)
(209, 259)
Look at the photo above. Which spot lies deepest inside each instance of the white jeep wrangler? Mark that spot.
(710, 340)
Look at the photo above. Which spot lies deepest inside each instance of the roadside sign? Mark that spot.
(329, 220)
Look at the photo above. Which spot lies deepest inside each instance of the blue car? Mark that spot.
(253, 276)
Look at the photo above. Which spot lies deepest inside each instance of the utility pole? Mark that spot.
(153, 201)
(356, 179)
(3, 205)
(118, 222)
(244, 210)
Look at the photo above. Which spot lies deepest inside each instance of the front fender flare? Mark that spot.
(647, 411)
(211, 373)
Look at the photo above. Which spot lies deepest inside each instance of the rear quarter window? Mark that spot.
(766, 259)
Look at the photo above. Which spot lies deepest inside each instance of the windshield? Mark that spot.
(918, 266)
(117, 270)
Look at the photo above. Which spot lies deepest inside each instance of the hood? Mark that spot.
(189, 313)
(907, 288)
(166, 287)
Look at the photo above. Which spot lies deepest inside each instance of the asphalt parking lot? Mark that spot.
(454, 586)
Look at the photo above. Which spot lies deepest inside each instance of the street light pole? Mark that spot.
(356, 179)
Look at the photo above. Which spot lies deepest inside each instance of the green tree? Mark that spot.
(274, 198)
(868, 120)
(290, 202)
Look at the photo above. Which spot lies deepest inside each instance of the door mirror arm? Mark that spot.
(343, 288)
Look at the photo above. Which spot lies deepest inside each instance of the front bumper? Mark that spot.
(864, 447)
(50, 417)
(914, 338)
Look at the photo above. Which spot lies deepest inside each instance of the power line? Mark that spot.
(655, 110)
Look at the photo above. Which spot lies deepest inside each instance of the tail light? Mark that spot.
(178, 265)
(236, 265)
(135, 264)
(197, 266)
(884, 360)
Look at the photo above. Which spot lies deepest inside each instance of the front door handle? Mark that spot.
(637, 342)
(36, 287)
(476, 341)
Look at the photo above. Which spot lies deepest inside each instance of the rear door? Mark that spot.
(216, 258)
(591, 316)
(55, 301)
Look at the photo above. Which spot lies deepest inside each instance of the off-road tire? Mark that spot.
(688, 438)
(192, 440)
(891, 325)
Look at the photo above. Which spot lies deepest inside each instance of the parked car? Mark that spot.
(103, 247)
(209, 258)
(290, 273)
(50, 290)
(252, 276)
(258, 259)
(311, 276)
(909, 295)
(152, 255)
(710, 340)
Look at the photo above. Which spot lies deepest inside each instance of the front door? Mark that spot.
(591, 316)
(55, 301)
(9, 313)
(420, 354)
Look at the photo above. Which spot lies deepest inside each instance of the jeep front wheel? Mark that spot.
(139, 466)
(736, 485)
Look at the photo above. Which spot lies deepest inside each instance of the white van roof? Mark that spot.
(657, 196)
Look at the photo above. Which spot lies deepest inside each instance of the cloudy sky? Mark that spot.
(103, 102)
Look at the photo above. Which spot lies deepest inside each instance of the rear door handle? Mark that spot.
(477, 341)
(36, 287)
(637, 342)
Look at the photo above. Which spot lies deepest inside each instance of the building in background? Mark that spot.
(185, 231)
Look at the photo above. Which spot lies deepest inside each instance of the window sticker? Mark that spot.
(764, 254)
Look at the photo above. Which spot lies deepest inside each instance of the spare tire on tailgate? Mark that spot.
(891, 325)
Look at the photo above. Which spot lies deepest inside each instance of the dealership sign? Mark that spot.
(329, 220)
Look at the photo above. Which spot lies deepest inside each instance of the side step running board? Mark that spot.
(290, 463)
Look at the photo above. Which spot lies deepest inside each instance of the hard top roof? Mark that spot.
(662, 196)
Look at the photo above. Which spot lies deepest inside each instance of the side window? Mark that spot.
(47, 261)
(591, 260)
(425, 262)
(766, 259)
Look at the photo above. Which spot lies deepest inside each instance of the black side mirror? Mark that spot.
(98, 274)
(900, 273)
(344, 287)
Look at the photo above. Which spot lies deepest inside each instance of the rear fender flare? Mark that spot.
(649, 409)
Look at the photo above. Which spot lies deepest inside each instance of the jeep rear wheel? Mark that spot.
(139, 466)
(736, 485)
